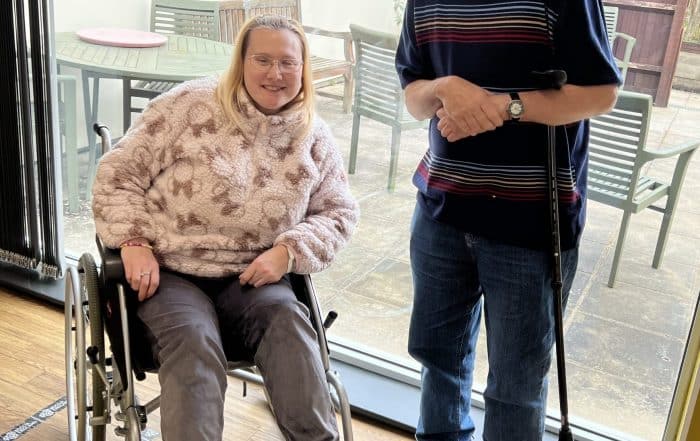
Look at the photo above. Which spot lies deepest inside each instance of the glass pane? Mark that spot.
(79, 231)
(624, 345)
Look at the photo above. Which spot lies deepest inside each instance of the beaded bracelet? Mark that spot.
(135, 244)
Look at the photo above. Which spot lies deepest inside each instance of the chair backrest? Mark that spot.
(611, 14)
(285, 8)
(378, 92)
(617, 141)
(233, 13)
(197, 18)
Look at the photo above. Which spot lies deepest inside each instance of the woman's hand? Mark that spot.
(269, 267)
(141, 270)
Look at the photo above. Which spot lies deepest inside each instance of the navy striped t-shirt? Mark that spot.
(495, 184)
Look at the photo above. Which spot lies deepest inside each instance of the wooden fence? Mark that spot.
(658, 27)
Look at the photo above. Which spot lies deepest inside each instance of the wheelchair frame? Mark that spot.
(94, 381)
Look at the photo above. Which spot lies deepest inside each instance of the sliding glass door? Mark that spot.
(624, 344)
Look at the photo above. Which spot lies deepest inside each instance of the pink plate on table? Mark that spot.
(121, 37)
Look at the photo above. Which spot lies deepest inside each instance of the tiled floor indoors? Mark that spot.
(624, 345)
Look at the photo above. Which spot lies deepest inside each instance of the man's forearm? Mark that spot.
(421, 100)
(554, 107)
(569, 104)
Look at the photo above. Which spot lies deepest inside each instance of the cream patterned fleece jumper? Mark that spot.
(210, 198)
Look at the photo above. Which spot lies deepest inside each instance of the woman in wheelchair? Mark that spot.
(221, 188)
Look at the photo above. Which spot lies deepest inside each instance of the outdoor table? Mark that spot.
(181, 58)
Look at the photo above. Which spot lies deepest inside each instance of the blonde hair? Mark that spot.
(231, 88)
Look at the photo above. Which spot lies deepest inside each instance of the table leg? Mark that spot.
(126, 103)
(90, 103)
(67, 83)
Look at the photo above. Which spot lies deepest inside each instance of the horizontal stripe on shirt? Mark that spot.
(506, 22)
(517, 183)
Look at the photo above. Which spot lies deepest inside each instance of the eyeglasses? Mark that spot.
(263, 63)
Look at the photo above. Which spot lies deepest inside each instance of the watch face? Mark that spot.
(515, 108)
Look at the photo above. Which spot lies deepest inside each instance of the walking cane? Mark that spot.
(555, 79)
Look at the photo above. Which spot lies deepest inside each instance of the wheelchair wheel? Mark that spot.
(86, 397)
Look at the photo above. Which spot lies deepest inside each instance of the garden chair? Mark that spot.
(618, 169)
(196, 18)
(611, 17)
(378, 92)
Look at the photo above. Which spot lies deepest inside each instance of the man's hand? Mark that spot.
(467, 109)
(141, 270)
(269, 267)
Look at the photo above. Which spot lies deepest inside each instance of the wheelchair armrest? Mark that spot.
(112, 267)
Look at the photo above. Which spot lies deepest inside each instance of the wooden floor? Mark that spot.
(32, 377)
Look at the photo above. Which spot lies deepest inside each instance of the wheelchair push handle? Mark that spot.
(103, 131)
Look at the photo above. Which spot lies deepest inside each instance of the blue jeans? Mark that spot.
(452, 271)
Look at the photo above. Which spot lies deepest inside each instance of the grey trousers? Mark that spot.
(195, 324)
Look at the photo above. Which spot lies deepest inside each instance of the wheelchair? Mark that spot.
(99, 376)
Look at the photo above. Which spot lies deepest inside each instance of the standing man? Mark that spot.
(481, 223)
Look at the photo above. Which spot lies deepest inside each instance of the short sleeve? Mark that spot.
(410, 64)
(582, 47)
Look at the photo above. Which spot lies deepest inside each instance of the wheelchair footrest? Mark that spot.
(141, 415)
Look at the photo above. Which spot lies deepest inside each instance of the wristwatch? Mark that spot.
(515, 107)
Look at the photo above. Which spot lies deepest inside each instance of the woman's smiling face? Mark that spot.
(272, 68)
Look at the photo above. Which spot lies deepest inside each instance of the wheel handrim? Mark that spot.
(91, 293)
